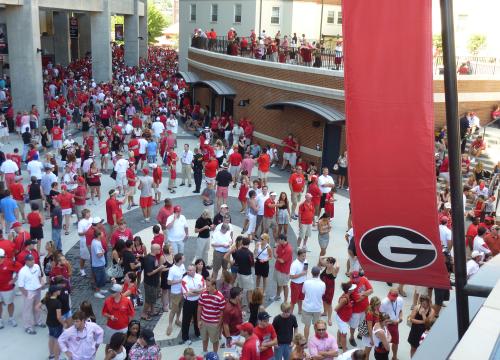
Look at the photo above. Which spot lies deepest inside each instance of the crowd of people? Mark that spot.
(129, 132)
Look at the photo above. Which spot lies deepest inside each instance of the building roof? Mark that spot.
(329, 113)
(220, 87)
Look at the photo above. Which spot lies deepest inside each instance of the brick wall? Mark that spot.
(481, 108)
(470, 86)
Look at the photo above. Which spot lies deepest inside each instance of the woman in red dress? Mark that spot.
(328, 276)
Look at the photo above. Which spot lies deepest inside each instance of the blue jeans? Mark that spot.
(282, 352)
(100, 276)
(26, 148)
(56, 237)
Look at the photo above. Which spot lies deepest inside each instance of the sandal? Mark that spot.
(146, 318)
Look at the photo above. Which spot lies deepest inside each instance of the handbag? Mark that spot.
(363, 328)
(114, 271)
(336, 167)
(113, 174)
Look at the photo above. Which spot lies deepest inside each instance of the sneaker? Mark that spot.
(1, 324)
(82, 273)
(104, 291)
(182, 184)
(352, 342)
(12, 322)
(99, 295)
(129, 207)
(41, 325)
(30, 331)
(187, 342)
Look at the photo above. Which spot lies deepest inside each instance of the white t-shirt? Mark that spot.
(9, 167)
(157, 128)
(323, 180)
(142, 145)
(177, 232)
(480, 245)
(444, 235)
(219, 238)
(172, 124)
(83, 226)
(296, 268)
(176, 273)
(35, 168)
(313, 289)
(392, 308)
(121, 166)
(261, 199)
(472, 268)
(29, 278)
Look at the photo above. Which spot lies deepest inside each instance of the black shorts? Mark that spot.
(36, 232)
(322, 201)
(150, 294)
(441, 295)
(262, 268)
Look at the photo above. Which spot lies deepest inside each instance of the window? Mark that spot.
(275, 15)
(192, 12)
(237, 13)
(330, 17)
(339, 17)
(462, 22)
(214, 12)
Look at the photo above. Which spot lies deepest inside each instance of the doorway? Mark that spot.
(331, 145)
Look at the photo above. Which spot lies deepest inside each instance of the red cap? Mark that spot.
(246, 327)
(355, 274)
(64, 187)
(177, 208)
(16, 224)
(145, 171)
(81, 180)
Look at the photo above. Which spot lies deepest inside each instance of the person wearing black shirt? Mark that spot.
(151, 281)
(54, 319)
(285, 325)
(26, 135)
(202, 227)
(219, 218)
(197, 169)
(129, 261)
(223, 179)
(244, 260)
(464, 131)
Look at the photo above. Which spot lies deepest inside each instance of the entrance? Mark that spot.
(331, 145)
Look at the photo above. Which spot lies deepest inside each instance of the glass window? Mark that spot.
(339, 17)
(237, 13)
(330, 17)
(192, 12)
(214, 12)
(275, 15)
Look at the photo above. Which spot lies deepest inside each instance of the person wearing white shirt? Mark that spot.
(445, 233)
(35, 168)
(9, 168)
(193, 285)
(157, 127)
(474, 263)
(83, 225)
(479, 244)
(30, 281)
(177, 230)
(121, 167)
(392, 305)
(312, 307)
(174, 279)
(173, 125)
(261, 199)
(298, 274)
(186, 161)
(325, 183)
(221, 242)
(481, 189)
(142, 150)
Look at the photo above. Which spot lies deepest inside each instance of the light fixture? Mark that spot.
(140, 38)
(39, 51)
(244, 102)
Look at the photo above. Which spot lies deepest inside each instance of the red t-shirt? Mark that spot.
(131, 175)
(81, 192)
(265, 334)
(163, 215)
(288, 145)
(131, 287)
(20, 239)
(89, 236)
(34, 219)
(123, 235)
(211, 168)
(157, 175)
(306, 213)
(113, 207)
(20, 257)
(9, 248)
(250, 350)
(316, 193)
(65, 200)
(158, 239)
(56, 133)
(269, 212)
(297, 181)
(103, 147)
(122, 310)
(235, 159)
(134, 145)
(7, 268)
(17, 191)
(264, 162)
(362, 285)
(284, 252)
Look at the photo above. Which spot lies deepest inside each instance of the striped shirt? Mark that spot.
(192, 283)
(212, 306)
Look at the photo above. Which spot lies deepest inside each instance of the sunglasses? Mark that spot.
(320, 329)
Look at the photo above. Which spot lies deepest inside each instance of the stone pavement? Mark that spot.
(14, 340)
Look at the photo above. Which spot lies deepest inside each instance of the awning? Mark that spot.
(220, 87)
(329, 113)
(189, 77)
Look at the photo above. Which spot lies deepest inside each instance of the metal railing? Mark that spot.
(470, 65)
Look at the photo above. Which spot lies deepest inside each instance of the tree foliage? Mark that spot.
(156, 23)
(437, 41)
(477, 42)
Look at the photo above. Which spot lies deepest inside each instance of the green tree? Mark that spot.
(437, 41)
(156, 23)
(477, 42)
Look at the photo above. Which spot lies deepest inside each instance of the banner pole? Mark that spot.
(452, 123)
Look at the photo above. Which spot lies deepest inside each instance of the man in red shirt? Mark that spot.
(267, 336)
(296, 182)
(131, 182)
(157, 178)
(232, 316)
(7, 282)
(211, 169)
(491, 239)
(29, 248)
(113, 210)
(306, 218)
(21, 236)
(122, 232)
(210, 310)
(471, 232)
(270, 221)
(251, 346)
(235, 160)
(66, 201)
(284, 256)
(57, 136)
(288, 148)
(360, 298)
(118, 310)
(80, 197)
(7, 246)
(17, 192)
(264, 162)
(97, 224)
(164, 213)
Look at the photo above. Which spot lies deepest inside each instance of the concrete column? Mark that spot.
(23, 31)
(143, 32)
(100, 25)
(131, 33)
(61, 38)
(84, 38)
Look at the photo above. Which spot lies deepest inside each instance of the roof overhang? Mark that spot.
(219, 87)
(189, 77)
(327, 112)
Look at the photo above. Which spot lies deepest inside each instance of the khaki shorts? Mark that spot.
(131, 191)
(296, 197)
(281, 279)
(263, 175)
(270, 223)
(176, 302)
(246, 282)
(309, 318)
(210, 331)
(305, 230)
(219, 261)
(7, 297)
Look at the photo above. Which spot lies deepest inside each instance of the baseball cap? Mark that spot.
(2, 253)
(112, 192)
(224, 206)
(212, 356)
(273, 194)
(64, 187)
(16, 224)
(148, 336)
(447, 205)
(263, 316)
(116, 288)
(177, 208)
(355, 274)
(97, 220)
(29, 257)
(474, 254)
(246, 327)
(353, 287)
(81, 180)
(145, 171)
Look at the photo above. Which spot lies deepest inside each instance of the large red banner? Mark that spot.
(390, 129)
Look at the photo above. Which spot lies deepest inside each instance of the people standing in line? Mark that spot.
(30, 281)
(193, 285)
(285, 325)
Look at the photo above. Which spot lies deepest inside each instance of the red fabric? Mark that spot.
(264, 162)
(269, 212)
(17, 191)
(297, 181)
(20, 257)
(265, 334)
(235, 159)
(122, 310)
(65, 200)
(123, 235)
(57, 133)
(7, 268)
(366, 107)
(113, 207)
(81, 192)
(306, 213)
(284, 252)
(361, 286)
(34, 219)
(163, 215)
(211, 168)
(250, 350)
(9, 248)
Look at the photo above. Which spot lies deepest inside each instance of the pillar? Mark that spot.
(61, 38)
(131, 33)
(100, 27)
(84, 39)
(23, 32)
(143, 32)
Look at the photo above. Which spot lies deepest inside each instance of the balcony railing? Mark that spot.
(328, 58)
